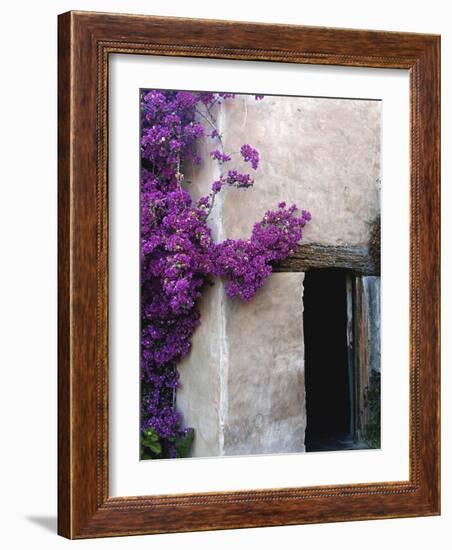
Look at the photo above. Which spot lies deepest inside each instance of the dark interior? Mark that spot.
(326, 364)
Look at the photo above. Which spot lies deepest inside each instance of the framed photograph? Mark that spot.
(248, 275)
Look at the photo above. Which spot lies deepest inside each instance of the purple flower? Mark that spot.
(250, 154)
(185, 100)
(218, 155)
(225, 95)
(236, 179)
(216, 186)
(204, 201)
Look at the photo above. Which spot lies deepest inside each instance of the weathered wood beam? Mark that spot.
(357, 259)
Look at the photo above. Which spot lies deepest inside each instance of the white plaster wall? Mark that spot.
(323, 154)
(199, 398)
(242, 386)
(266, 410)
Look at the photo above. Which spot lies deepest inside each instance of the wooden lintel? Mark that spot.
(314, 256)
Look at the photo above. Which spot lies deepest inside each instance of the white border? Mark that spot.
(128, 475)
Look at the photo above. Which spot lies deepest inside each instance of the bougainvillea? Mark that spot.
(178, 254)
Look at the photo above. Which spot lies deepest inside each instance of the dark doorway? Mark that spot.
(328, 384)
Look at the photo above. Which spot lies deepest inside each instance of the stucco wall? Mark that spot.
(243, 382)
(322, 154)
(265, 396)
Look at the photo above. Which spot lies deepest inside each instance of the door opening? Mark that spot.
(329, 387)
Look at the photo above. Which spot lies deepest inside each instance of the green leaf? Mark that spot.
(150, 442)
(150, 433)
(154, 446)
(184, 444)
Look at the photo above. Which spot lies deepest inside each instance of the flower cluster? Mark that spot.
(178, 255)
(219, 156)
(250, 154)
(245, 264)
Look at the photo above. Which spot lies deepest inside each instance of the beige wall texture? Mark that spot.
(242, 386)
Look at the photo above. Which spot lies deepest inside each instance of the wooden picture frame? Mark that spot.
(85, 42)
